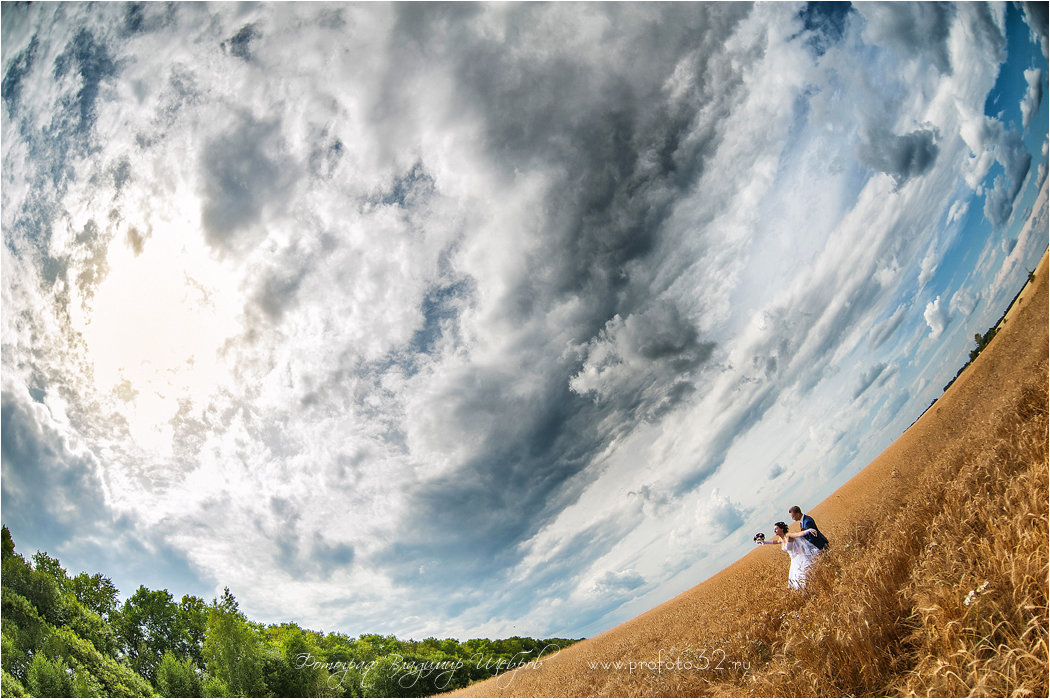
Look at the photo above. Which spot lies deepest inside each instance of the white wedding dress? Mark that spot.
(802, 555)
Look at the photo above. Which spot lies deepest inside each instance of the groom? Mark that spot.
(806, 522)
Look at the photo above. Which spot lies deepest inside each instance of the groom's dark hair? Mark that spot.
(794, 509)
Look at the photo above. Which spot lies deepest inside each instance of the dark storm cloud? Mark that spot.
(643, 365)
(1036, 17)
(902, 157)
(474, 518)
(617, 153)
(615, 144)
(243, 174)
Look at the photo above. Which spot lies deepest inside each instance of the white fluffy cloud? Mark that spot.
(936, 317)
(1033, 96)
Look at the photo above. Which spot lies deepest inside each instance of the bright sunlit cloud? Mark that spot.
(155, 327)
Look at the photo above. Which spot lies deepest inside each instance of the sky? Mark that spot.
(482, 320)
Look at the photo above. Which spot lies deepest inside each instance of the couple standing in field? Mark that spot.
(803, 546)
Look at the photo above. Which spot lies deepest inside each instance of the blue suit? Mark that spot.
(818, 539)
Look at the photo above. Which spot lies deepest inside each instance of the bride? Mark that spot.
(801, 551)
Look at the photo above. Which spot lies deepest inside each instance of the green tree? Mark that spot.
(90, 626)
(10, 686)
(147, 625)
(193, 624)
(232, 649)
(8, 542)
(178, 678)
(49, 678)
(38, 587)
(387, 677)
(51, 567)
(293, 668)
(214, 687)
(96, 592)
(112, 677)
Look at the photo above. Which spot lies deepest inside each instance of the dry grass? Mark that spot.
(936, 583)
(943, 596)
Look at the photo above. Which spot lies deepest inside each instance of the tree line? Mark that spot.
(69, 636)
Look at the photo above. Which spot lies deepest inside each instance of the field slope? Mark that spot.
(936, 584)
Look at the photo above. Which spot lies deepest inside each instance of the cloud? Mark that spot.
(33, 453)
(242, 176)
(902, 157)
(991, 141)
(719, 516)
(1040, 176)
(1035, 16)
(618, 583)
(928, 267)
(469, 309)
(883, 331)
(915, 29)
(958, 211)
(1033, 95)
(54, 500)
(645, 362)
(240, 44)
(868, 378)
(963, 302)
(826, 21)
(936, 317)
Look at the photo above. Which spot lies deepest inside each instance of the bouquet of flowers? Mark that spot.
(760, 538)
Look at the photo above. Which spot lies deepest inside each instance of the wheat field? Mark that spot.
(936, 583)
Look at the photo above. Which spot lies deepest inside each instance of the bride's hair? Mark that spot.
(783, 527)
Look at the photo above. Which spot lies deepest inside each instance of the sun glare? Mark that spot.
(154, 327)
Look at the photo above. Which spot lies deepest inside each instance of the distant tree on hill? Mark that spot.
(982, 342)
